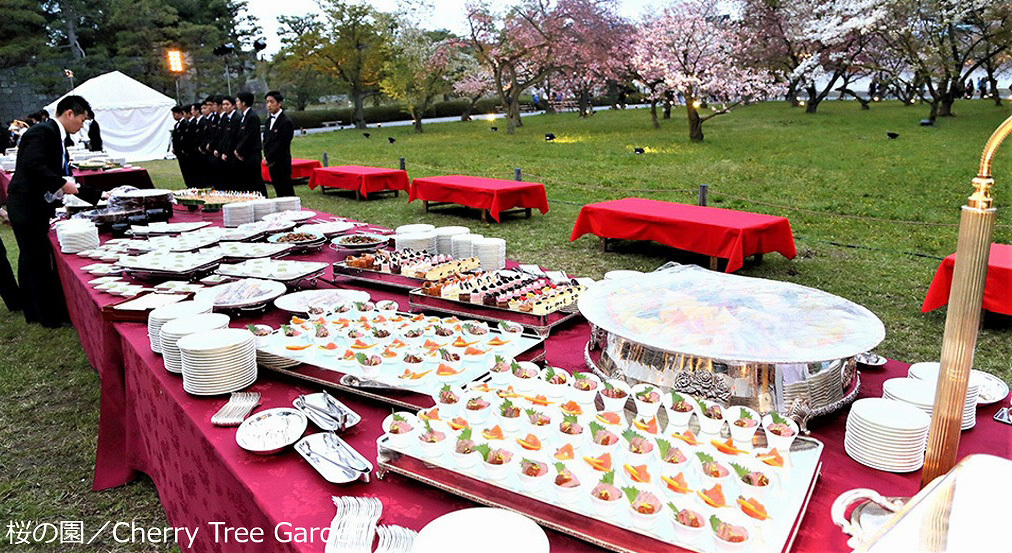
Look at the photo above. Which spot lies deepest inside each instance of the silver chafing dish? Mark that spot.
(768, 345)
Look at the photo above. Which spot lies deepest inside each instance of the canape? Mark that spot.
(509, 416)
(711, 417)
(644, 506)
(638, 448)
(533, 475)
(449, 401)
(712, 471)
(432, 441)
(680, 408)
(369, 365)
(566, 484)
(602, 440)
(730, 535)
(780, 432)
(524, 375)
(539, 423)
(569, 429)
(647, 399)
(497, 458)
(584, 388)
(615, 393)
(671, 455)
(556, 382)
(501, 371)
(743, 423)
(605, 496)
(752, 482)
(400, 428)
(463, 450)
(477, 408)
(689, 524)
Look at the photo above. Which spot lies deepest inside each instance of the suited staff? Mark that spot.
(278, 134)
(191, 147)
(247, 149)
(178, 135)
(224, 143)
(208, 138)
(41, 178)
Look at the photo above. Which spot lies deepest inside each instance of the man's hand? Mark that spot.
(239, 157)
(216, 154)
(270, 164)
(4, 219)
(69, 187)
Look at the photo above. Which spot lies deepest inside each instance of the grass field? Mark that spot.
(871, 217)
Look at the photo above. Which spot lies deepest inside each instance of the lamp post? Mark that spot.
(966, 296)
(70, 75)
(175, 59)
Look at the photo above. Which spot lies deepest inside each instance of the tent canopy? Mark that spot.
(135, 119)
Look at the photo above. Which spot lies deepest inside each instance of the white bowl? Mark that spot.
(555, 391)
(499, 472)
(404, 439)
(708, 425)
(781, 443)
(742, 435)
(534, 484)
(584, 397)
(646, 409)
(679, 419)
(615, 404)
(733, 517)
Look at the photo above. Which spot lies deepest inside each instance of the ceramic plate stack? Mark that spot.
(177, 329)
(491, 252)
(444, 236)
(239, 213)
(417, 241)
(288, 203)
(821, 388)
(989, 388)
(77, 235)
(261, 208)
(218, 362)
(887, 435)
(921, 394)
(460, 245)
(411, 229)
(161, 315)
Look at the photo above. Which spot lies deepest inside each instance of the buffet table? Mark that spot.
(301, 169)
(137, 177)
(997, 286)
(149, 424)
(491, 196)
(363, 180)
(715, 232)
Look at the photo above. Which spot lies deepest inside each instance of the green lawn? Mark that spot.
(841, 182)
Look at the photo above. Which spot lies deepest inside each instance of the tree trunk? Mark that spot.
(466, 116)
(512, 114)
(695, 123)
(418, 123)
(945, 105)
(865, 102)
(583, 104)
(812, 105)
(653, 113)
(792, 94)
(933, 114)
(993, 83)
(358, 99)
(667, 105)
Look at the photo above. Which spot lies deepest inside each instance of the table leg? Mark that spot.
(484, 216)
(713, 263)
(527, 212)
(397, 193)
(358, 196)
(758, 258)
(425, 204)
(604, 245)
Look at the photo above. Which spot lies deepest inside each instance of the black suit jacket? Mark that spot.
(39, 170)
(248, 142)
(209, 137)
(95, 137)
(179, 133)
(193, 134)
(278, 140)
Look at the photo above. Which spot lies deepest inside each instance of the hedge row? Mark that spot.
(396, 112)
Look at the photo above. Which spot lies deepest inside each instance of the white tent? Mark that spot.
(134, 118)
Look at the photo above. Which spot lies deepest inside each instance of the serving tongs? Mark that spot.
(332, 415)
(333, 458)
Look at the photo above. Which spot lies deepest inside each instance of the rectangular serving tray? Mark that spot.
(540, 324)
(377, 278)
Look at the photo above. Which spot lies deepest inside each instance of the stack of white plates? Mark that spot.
(239, 213)
(417, 241)
(411, 229)
(444, 236)
(176, 329)
(288, 203)
(261, 208)
(990, 389)
(887, 435)
(161, 315)
(460, 245)
(921, 394)
(491, 252)
(77, 235)
(218, 362)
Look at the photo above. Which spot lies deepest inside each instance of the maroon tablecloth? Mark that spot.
(359, 178)
(301, 169)
(5, 180)
(997, 285)
(202, 475)
(492, 195)
(712, 231)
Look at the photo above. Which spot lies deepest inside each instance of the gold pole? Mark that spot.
(966, 296)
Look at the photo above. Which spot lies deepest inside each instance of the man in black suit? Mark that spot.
(9, 291)
(223, 143)
(208, 138)
(278, 145)
(247, 146)
(198, 169)
(41, 178)
(94, 133)
(178, 137)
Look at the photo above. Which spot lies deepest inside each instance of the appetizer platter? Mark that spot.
(317, 302)
(290, 272)
(244, 294)
(176, 266)
(535, 302)
(301, 241)
(641, 480)
(406, 269)
(251, 250)
(362, 241)
(211, 200)
(377, 351)
(187, 241)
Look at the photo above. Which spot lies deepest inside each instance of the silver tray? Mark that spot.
(326, 455)
(540, 324)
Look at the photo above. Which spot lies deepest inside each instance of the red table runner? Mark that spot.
(361, 179)
(997, 286)
(712, 231)
(301, 169)
(202, 475)
(492, 195)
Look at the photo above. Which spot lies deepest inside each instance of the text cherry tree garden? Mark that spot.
(694, 50)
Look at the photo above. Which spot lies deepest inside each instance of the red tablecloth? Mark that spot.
(997, 286)
(712, 231)
(359, 178)
(5, 179)
(301, 169)
(202, 475)
(492, 195)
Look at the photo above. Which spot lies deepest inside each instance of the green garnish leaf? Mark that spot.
(674, 509)
(361, 358)
(571, 419)
(465, 434)
(609, 477)
(629, 434)
(739, 470)
(745, 414)
(676, 398)
(560, 467)
(715, 522)
(702, 405)
(704, 457)
(549, 372)
(645, 391)
(428, 428)
(505, 406)
(399, 418)
(609, 386)
(484, 450)
(498, 359)
(631, 493)
(663, 446)
(580, 376)
(514, 366)
(594, 427)
(777, 418)
(445, 388)
(530, 412)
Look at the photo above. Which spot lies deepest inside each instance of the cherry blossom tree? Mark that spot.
(595, 45)
(472, 82)
(695, 50)
(419, 68)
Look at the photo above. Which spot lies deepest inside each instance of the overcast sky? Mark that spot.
(446, 14)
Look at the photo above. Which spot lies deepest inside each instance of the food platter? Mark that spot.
(271, 430)
(360, 241)
(273, 269)
(300, 302)
(241, 294)
(248, 250)
(540, 324)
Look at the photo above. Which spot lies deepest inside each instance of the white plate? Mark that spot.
(469, 530)
(299, 302)
(271, 430)
(890, 414)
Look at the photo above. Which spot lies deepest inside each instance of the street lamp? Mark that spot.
(70, 75)
(175, 59)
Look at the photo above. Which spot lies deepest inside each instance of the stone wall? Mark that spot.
(18, 99)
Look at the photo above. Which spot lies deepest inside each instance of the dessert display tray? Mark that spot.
(583, 520)
(378, 278)
(540, 324)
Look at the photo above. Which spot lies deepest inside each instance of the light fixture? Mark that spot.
(976, 227)
(68, 73)
(638, 150)
(696, 104)
(801, 103)
(391, 139)
(175, 58)
(549, 137)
